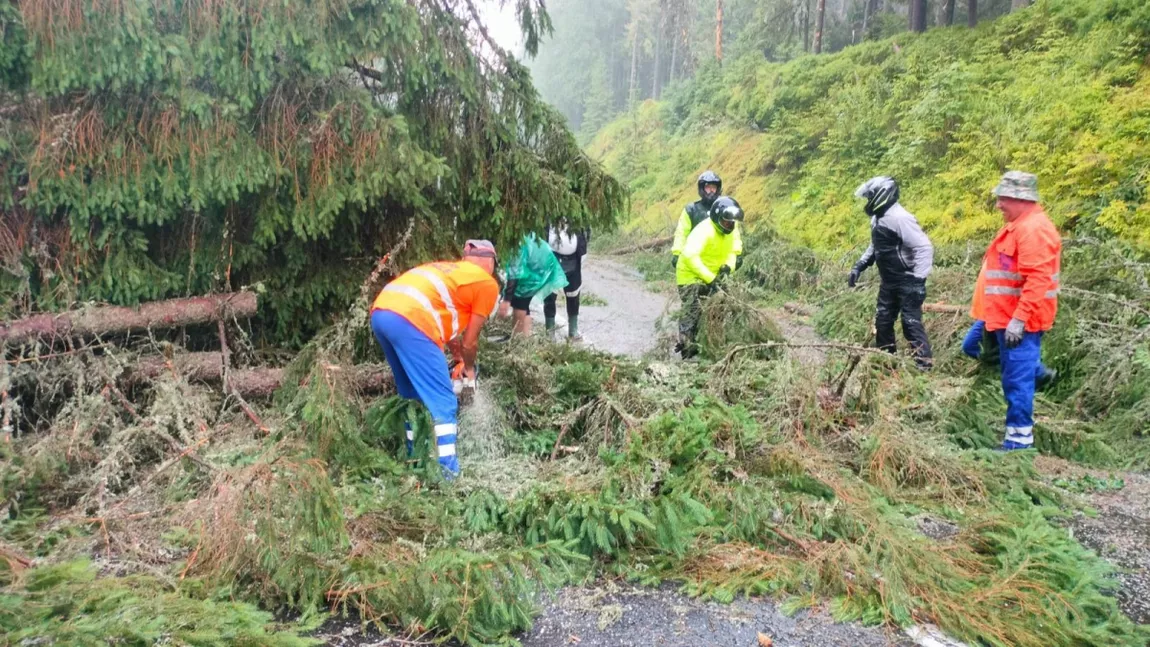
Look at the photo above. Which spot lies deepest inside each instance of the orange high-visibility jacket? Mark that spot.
(1022, 268)
(976, 305)
(439, 298)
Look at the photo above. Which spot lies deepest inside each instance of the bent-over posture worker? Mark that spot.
(417, 315)
(1020, 297)
(710, 187)
(904, 256)
(709, 256)
(570, 248)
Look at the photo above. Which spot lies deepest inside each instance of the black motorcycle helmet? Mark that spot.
(880, 193)
(725, 212)
(709, 177)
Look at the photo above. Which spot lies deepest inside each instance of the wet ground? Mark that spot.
(613, 617)
(1118, 529)
(627, 323)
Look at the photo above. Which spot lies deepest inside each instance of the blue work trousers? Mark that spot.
(421, 373)
(1019, 367)
(979, 342)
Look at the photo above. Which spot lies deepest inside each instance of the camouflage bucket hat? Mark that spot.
(1018, 185)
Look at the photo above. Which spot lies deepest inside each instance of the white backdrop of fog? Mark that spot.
(502, 25)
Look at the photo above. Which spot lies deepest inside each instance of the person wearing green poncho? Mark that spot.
(534, 271)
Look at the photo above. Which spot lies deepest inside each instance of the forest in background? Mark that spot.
(1061, 89)
(606, 55)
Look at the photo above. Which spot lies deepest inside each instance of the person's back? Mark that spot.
(902, 250)
(536, 271)
(569, 247)
(439, 298)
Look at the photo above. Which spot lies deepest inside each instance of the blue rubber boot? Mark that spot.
(445, 437)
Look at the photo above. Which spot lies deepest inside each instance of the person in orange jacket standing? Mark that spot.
(1020, 297)
(421, 312)
(978, 344)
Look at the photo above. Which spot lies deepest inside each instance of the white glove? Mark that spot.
(462, 382)
(1015, 330)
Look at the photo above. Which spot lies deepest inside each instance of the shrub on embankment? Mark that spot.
(1061, 89)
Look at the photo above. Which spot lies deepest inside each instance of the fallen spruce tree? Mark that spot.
(103, 320)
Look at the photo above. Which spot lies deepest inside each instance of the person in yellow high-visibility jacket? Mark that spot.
(710, 187)
(710, 254)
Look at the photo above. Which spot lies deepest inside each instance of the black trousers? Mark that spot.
(574, 285)
(692, 297)
(903, 299)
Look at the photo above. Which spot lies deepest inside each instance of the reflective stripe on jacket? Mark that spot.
(431, 298)
(707, 249)
(1021, 270)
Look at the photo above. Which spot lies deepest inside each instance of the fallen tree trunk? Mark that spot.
(251, 382)
(641, 247)
(100, 320)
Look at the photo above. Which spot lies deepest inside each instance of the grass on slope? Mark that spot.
(1061, 89)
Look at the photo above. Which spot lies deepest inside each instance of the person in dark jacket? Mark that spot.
(570, 248)
(904, 256)
(710, 187)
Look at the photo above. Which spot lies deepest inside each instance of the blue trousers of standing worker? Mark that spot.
(974, 347)
(420, 371)
(1019, 366)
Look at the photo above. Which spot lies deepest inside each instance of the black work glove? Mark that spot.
(721, 277)
(738, 261)
(853, 279)
(675, 260)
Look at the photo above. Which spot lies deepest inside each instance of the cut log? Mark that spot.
(100, 320)
(641, 247)
(251, 382)
(942, 308)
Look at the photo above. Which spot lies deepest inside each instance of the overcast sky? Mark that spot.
(501, 24)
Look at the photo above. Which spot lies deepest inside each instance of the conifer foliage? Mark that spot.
(159, 148)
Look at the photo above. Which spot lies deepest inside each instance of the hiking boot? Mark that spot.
(1011, 446)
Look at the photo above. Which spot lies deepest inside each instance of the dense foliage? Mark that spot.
(152, 149)
(606, 54)
(1061, 89)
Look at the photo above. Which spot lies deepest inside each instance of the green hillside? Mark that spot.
(1061, 89)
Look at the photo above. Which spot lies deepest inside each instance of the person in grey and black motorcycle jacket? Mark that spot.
(904, 255)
